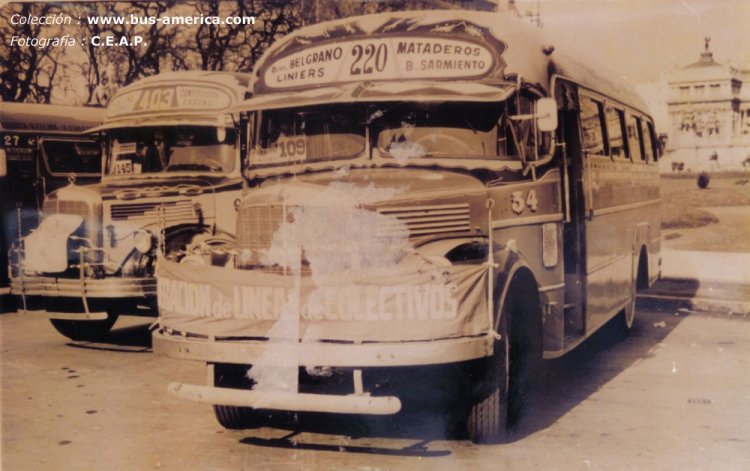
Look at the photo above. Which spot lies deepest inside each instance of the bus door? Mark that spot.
(574, 198)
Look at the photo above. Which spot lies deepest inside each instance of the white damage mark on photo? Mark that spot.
(337, 237)
(402, 151)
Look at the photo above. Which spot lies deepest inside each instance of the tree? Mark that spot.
(27, 73)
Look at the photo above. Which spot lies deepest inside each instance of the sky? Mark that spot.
(640, 39)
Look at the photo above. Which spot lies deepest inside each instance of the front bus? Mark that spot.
(171, 176)
(428, 200)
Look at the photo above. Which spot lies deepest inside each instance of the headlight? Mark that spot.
(144, 241)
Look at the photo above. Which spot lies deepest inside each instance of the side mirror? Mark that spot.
(546, 114)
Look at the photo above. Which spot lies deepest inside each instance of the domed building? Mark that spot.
(709, 115)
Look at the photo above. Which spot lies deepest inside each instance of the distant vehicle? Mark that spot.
(41, 150)
(171, 176)
(438, 201)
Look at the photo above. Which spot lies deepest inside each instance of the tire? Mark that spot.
(627, 316)
(509, 377)
(236, 418)
(85, 330)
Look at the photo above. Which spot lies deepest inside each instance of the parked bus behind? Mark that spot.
(171, 177)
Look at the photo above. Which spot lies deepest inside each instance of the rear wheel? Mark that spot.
(84, 329)
(509, 375)
(627, 317)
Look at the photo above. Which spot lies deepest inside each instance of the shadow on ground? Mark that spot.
(131, 339)
(564, 384)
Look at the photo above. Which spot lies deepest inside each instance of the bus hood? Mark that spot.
(367, 187)
(157, 187)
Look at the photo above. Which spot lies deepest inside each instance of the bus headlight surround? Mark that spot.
(144, 241)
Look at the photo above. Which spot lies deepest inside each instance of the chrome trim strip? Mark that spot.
(327, 353)
(525, 221)
(545, 289)
(606, 264)
(624, 207)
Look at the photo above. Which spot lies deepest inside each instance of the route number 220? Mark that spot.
(518, 203)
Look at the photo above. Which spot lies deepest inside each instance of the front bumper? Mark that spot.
(297, 402)
(333, 354)
(113, 287)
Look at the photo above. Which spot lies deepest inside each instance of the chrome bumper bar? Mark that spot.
(71, 316)
(381, 354)
(297, 402)
(76, 288)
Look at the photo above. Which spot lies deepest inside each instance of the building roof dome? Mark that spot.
(705, 69)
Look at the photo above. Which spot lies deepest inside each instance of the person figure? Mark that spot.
(714, 160)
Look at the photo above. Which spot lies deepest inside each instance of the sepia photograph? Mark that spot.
(375, 234)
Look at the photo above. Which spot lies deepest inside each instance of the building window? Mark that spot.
(700, 90)
(684, 92)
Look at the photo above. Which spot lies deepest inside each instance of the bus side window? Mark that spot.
(648, 142)
(615, 133)
(591, 124)
(634, 138)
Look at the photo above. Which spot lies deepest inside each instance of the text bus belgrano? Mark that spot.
(433, 195)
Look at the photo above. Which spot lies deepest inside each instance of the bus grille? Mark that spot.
(434, 219)
(174, 211)
(256, 225)
(78, 208)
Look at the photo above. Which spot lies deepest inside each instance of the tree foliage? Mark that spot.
(26, 73)
(93, 74)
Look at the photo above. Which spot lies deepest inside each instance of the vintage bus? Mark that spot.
(438, 201)
(171, 181)
(41, 149)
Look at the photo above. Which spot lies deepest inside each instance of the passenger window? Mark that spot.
(634, 138)
(648, 143)
(614, 132)
(591, 123)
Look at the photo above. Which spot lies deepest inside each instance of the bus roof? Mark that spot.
(197, 98)
(50, 119)
(504, 46)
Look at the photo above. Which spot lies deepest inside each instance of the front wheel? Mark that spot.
(85, 329)
(507, 381)
(236, 418)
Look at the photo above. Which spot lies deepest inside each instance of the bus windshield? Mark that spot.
(149, 150)
(408, 131)
(311, 134)
(402, 131)
(72, 156)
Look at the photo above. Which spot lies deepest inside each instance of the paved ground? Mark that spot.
(675, 395)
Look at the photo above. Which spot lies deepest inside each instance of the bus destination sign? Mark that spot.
(387, 58)
(168, 98)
